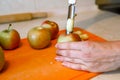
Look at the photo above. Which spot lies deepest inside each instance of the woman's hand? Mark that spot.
(89, 55)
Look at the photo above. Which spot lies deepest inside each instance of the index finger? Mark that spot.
(81, 45)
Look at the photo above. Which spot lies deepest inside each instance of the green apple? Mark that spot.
(52, 26)
(9, 38)
(2, 59)
(68, 37)
(39, 37)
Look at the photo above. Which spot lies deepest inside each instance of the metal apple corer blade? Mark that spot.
(71, 15)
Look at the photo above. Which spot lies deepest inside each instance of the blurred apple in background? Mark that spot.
(52, 26)
(39, 37)
(68, 37)
(2, 59)
(9, 38)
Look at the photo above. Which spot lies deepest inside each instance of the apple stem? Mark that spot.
(9, 28)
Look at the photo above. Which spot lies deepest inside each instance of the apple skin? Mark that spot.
(39, 37)
(68, 37)
(2, 59)
(9, 39)
(52, 26)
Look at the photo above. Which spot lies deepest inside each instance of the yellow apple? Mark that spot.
(39, 37)
(9, 38)
(52, 26)
(68, 37)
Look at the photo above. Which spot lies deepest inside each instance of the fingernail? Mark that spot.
(57, 52)
(64, 64)
(57, 58)
(56, 45)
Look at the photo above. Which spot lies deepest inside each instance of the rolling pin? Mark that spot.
(21, 17)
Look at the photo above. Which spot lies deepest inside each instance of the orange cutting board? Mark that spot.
(25, 63)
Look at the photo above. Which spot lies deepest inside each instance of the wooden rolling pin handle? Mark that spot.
(39, 15)
(21, 17)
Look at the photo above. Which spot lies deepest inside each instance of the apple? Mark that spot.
(83, 36)
(52, 26)
(78, 32)
(39, 37)
(2, 59)
(68, 37)
(9, 38)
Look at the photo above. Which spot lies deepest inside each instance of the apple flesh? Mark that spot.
(2, 59)
(39, 37)
(83, 36)
(68, 37)
(9, 38)
(52, 26)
